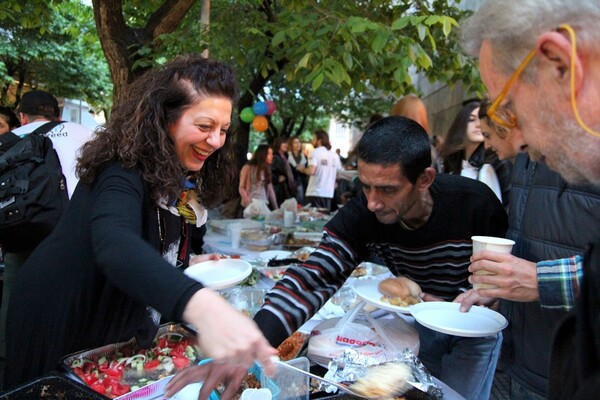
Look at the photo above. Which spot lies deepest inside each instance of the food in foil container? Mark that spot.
(384, 381)
(118, 369)
(350, 366)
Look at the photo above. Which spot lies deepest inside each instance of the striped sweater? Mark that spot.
(435, 255)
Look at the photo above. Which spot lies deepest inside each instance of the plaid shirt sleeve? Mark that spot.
(558, 282)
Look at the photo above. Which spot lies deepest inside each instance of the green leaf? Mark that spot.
(317, 82)
(400, 23)
(447, 24)
(357, 25)
(422, 32)
(424, 61)
(379, 42)
(303, 63)
(347, 57)
(431, 20)
(278, 39)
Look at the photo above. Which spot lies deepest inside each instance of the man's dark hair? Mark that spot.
(323, 136)
(398, 141)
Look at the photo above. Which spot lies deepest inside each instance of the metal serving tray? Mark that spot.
(147, 392)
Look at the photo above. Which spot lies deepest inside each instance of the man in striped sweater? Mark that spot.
(418, 224)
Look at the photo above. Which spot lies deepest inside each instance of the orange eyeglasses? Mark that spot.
(508, 120)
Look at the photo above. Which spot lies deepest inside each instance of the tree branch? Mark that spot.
(167, 17)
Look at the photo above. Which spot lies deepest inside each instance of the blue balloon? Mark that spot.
(260, 108)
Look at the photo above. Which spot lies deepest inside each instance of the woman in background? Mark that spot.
(255, 178)
(8, 120)
(282, 175)
(412, 107)
(464, 153)
(297, 160)
(496, 138)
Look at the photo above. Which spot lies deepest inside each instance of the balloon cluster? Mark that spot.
(256, 114)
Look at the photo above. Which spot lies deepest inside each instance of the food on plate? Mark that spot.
(291, 347)
(358, 272)
(400, 291)
(384, 380)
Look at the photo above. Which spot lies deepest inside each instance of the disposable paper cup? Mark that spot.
(235, 233)
(288, 219)
(500, 245)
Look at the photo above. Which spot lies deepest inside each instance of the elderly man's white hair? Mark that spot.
(512, 26)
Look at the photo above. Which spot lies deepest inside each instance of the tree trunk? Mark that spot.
(205, 22)
(120, 42)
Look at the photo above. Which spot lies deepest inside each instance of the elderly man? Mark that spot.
(550, 102)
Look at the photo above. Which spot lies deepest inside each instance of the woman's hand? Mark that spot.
(204, 257)
(211, 374)
(225, 334)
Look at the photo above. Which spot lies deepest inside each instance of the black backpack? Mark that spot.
(33, 189)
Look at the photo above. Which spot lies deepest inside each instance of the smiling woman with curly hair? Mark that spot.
(112, 268)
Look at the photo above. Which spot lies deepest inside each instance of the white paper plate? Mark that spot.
(367, 290)
(219, 274)
(274, 254)
(445, 317)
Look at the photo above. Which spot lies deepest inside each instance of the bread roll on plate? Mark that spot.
(400, 291)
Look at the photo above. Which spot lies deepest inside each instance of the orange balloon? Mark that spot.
(260, 123)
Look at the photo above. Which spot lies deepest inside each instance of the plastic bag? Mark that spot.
(256, 208)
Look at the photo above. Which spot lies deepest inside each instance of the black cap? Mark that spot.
(38, 102)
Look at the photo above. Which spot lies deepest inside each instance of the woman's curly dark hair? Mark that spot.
(137, 134)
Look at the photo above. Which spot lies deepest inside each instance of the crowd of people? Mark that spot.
(521, 163)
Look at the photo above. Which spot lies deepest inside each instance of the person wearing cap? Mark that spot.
(38, 107)
(35, 109)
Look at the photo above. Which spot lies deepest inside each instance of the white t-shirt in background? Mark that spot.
(322, 183)
(66, 138)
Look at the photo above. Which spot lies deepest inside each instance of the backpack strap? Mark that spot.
(45, 128)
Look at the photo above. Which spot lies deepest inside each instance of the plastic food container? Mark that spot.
(246, 299)
(257, 241)
(292, 385)
(221, 226)
(273, 273)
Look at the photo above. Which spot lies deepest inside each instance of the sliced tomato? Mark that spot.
(90, 378)
(180, 361)
(98, 387)
(151, 364)
(113, 369)
(162, 342)
(117, 389)
(178, 350)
